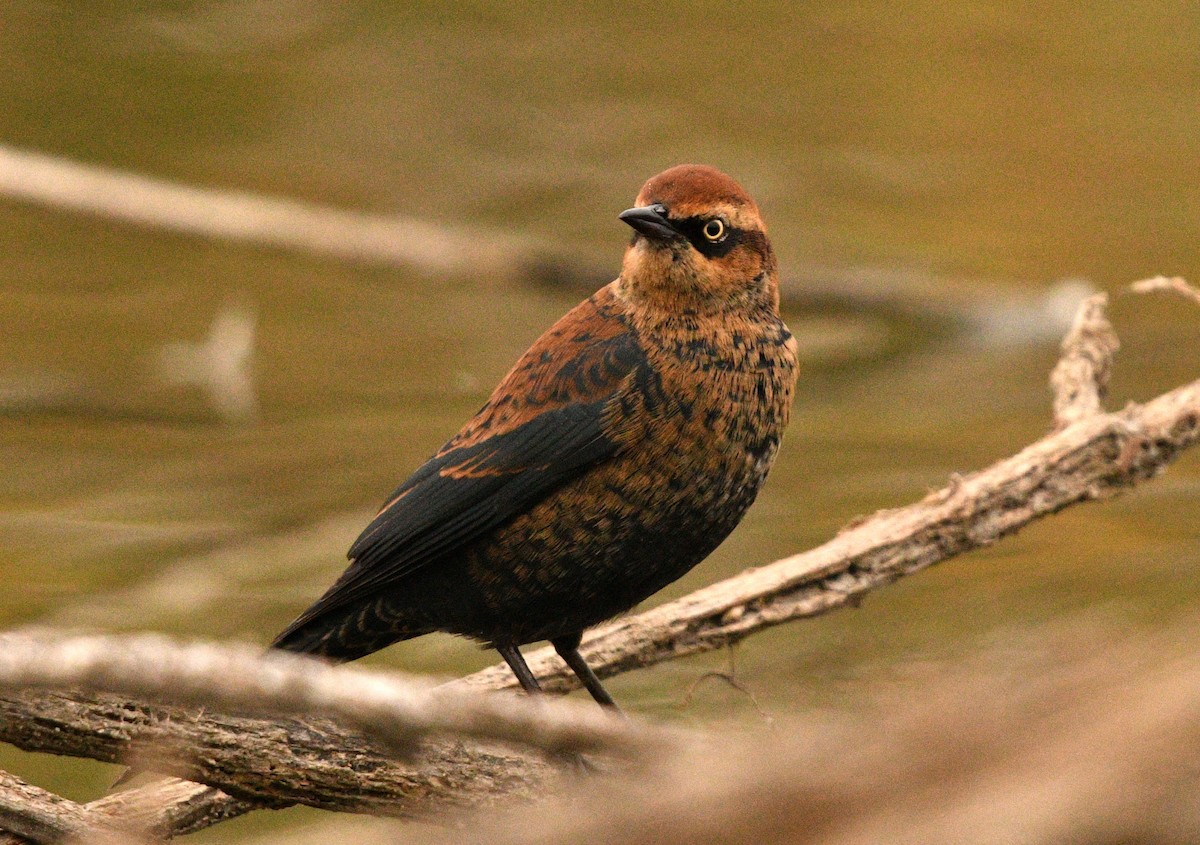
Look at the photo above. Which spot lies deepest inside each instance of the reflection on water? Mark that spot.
(900, 159)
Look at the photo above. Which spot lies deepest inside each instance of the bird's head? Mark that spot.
(699, 244)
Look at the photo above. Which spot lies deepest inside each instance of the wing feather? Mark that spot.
(544, 425)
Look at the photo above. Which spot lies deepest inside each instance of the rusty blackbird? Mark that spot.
(618, 452)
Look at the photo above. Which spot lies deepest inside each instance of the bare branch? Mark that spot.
(1080, 379)
(269, 762)
(242, 678)
(241, 216)
(246, 755)
(1093, 458)
(1076, 734)
(34, 813)
(1175, 284)
(275, 762)
(170, 807)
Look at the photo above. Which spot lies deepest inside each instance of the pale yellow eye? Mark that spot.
(715, 230)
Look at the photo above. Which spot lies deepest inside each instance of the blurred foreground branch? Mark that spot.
(398, 711)
(273, 761)
(1094, 455)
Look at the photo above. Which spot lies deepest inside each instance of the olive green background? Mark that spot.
(979, 152)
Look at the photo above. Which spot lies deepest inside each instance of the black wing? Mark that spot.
(544, 425)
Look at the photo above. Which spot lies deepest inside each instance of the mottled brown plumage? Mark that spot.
(621, 449)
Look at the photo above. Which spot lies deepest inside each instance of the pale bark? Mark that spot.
(398, 710)
(1080, 378)
(27, 810)
(278, 761)
(174, 807)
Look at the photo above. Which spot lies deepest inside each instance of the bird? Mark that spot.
(618, 452)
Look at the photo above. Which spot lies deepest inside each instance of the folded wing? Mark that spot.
(547, 422)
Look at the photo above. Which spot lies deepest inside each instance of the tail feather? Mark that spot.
(346, 634)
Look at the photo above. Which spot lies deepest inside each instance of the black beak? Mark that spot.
(651, 221)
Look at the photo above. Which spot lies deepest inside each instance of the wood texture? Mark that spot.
(396, 709)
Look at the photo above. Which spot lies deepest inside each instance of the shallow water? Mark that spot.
(964, 158)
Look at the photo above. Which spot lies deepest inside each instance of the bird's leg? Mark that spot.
(568, 649)
(512, 656)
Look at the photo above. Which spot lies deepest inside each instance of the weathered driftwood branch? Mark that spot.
(32, 812)
(271, 762)
(438, 250)
(178, 807)
(1092, 457)
(398, 710)
(1174, 284)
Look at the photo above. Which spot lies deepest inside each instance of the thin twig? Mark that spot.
(1080, 378)
(1175, 284)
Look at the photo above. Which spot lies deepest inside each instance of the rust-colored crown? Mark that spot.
(688, 187)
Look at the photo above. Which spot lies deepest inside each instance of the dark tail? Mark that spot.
(344, 634)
